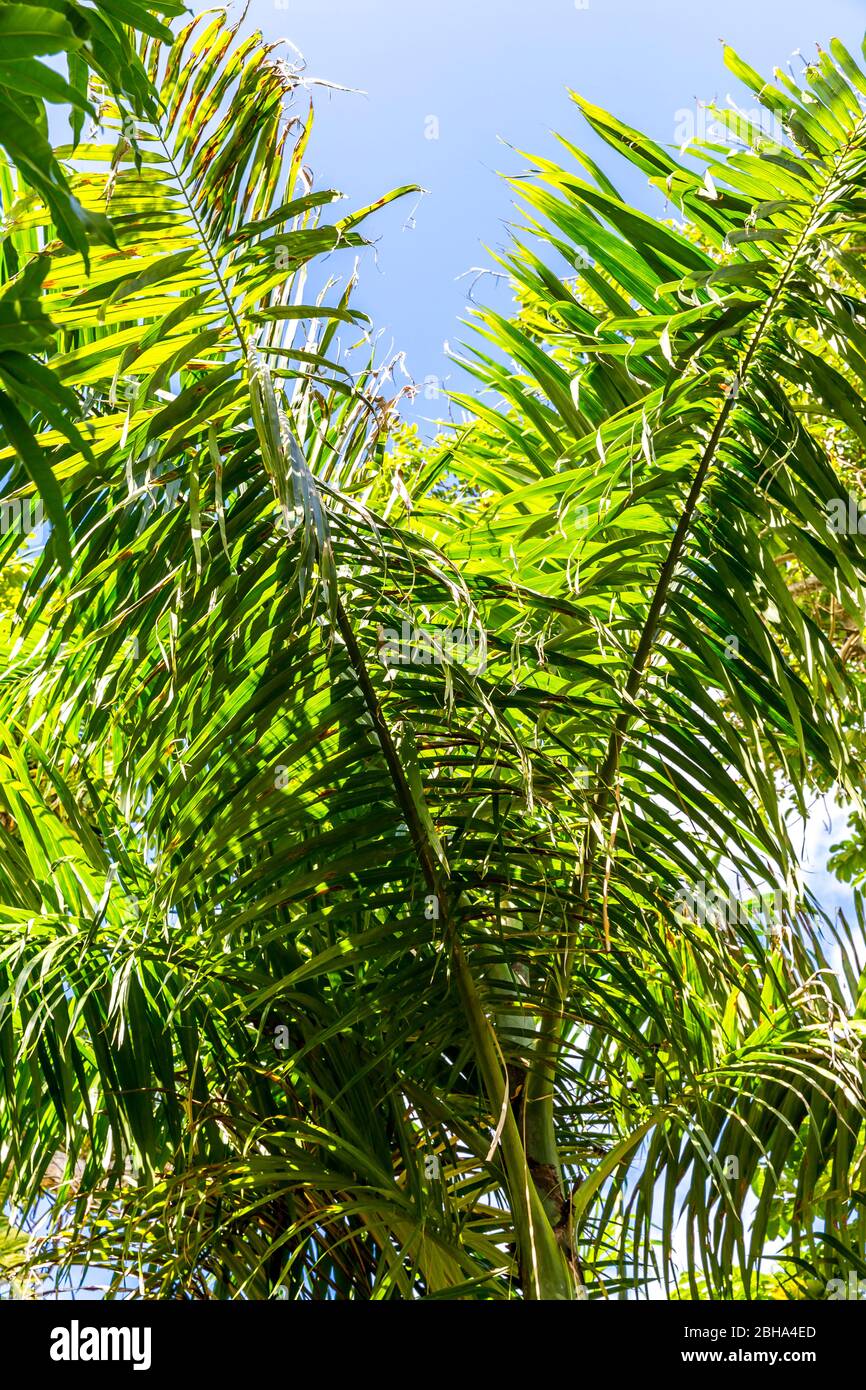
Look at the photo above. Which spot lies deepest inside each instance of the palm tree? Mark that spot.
(362, 813)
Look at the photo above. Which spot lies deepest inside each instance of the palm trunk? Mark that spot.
(544, 1265)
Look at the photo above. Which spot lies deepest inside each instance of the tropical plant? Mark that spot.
(91, 39)
(351, 803)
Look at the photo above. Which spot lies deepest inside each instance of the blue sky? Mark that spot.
(494, 71)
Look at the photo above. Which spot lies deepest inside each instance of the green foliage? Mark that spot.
(351, 962)
(92, 40)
